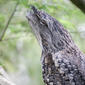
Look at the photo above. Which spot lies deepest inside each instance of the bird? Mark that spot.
(62, 61)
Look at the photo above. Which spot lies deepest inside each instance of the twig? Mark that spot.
(9, 20)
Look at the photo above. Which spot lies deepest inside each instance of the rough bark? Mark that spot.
(62, 61)
(80, 4)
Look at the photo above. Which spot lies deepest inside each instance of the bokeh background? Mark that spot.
(19, 51)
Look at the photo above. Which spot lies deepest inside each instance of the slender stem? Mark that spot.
(8, 22)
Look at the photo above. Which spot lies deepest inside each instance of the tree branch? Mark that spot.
(9, 20)
(80, 4)
(4, 79)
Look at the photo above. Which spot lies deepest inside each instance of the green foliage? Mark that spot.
(24, 2)
(20, 48)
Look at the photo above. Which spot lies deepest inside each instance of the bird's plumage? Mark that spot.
(62, 61)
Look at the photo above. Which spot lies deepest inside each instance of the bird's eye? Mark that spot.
(43, 22)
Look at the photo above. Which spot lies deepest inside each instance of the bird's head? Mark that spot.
(48, 31)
